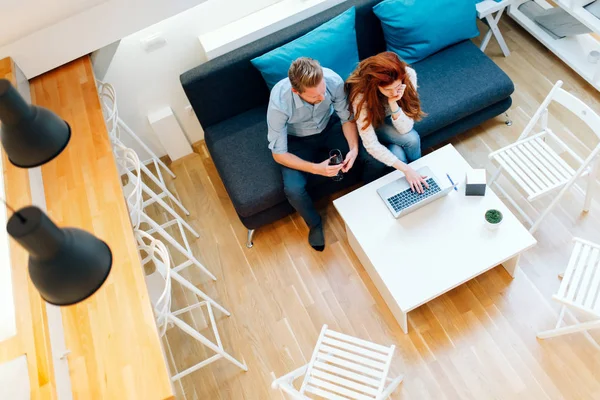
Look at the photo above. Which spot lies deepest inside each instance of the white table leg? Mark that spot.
(511, 266)
(486, 40)
(493, 23)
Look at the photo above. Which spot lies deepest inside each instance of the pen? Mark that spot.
(450, 179)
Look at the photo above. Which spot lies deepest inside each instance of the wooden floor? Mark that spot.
(476, 342)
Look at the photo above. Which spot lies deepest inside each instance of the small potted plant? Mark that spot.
(493, 218)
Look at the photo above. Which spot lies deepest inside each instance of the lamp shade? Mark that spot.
(30, 135)
(66, 265)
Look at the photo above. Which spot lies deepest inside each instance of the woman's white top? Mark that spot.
(402, 123)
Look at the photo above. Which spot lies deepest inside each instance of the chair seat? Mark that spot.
(343, 366)
(534, 166)
(580, 286)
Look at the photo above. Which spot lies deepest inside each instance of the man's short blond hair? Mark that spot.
(305, 73)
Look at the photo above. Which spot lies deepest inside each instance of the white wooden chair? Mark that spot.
(132, 191)
(579, 291)
(159, 289)
(343, 367)
(536, 168)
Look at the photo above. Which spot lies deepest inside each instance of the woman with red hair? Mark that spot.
(382, 95)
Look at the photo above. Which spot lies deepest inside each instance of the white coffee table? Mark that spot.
(420, 256)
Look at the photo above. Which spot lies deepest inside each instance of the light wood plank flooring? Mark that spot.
(476, 342)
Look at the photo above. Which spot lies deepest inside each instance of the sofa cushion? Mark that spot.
(240, 151)
(241, 154)
(415, 29)
(457, 82)
(333, 44)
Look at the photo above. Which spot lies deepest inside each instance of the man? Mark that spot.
(302, 129)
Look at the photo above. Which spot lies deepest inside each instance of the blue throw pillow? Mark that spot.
(415, 29)
(333, 44)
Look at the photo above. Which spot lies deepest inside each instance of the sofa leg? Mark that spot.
(249, 243)
(507, 121)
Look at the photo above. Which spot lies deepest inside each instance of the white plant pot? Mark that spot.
(491, 226)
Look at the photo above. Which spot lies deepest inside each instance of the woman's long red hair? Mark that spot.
(382, 69)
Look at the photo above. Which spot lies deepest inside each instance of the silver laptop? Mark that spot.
(401, 200)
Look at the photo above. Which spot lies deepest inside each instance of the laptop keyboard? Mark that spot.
(407, 197)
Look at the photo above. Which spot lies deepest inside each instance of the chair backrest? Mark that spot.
(128, 163)
(573, 104)
(159, 282)
(579, 108)
(345, 367)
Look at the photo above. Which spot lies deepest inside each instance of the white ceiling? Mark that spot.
(20, 18)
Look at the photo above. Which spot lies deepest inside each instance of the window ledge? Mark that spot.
(260, 24)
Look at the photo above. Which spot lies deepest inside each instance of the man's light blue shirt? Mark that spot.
(288, 114)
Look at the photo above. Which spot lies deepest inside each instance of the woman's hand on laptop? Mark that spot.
(415, 180)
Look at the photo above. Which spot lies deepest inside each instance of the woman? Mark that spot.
(382, 94)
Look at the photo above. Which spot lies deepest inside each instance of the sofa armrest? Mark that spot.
(231, 74)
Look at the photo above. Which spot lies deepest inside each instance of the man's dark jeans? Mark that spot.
(315, 148)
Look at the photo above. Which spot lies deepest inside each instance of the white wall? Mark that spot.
(145, 81)
(46, 34)
(23, 17)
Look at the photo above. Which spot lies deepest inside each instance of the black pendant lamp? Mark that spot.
(66, 265)
(30, 135)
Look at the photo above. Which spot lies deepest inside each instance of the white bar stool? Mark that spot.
(114, 124)
(107, 91)
(159, 289)
(128, 161)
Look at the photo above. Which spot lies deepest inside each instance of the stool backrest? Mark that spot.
(158, 282)
(108, 100)
(129, 164)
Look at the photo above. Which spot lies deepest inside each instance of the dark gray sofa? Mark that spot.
(459, 87)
